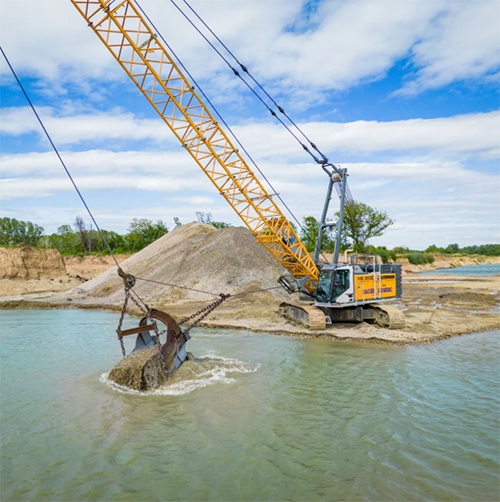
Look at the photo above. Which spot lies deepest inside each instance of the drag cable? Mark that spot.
(101, 234)
(59, 156)
(206, 292)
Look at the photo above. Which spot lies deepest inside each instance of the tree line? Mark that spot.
(361, 222)
(81, 238)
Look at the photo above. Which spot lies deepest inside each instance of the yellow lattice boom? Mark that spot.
(124, 31)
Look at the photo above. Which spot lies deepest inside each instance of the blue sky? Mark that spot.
(404, 94)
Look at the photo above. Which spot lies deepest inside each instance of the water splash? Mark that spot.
(195, 374)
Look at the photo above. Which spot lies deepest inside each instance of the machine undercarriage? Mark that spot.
(318, 318)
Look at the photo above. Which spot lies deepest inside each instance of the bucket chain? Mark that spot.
(120, 322)
(204, 312)
(155, 337)
(200, 315)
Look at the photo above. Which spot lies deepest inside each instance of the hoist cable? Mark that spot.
(176, 286)
(101, 233)
(90, 212)
(226, 125)
(245, 69)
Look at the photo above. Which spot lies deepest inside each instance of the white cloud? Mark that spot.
(98, 161)
(434, 176)
(70, 128)
(470, 134)
(48, 39)
(343, 44)
(464, 44)
(354, 41)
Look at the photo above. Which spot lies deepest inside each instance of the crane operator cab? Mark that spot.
(358, 284)
(335, 285)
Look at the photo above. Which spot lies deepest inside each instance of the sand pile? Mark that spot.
(90, 266)
(194, 256)
(29, 263)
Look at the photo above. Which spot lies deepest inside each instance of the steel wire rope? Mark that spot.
(176, 286)
(75, 186)
(237, 73)
(324, 159)
(212, 106)
(244, 293)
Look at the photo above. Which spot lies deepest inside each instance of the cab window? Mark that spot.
(341, 283)
(324, 282)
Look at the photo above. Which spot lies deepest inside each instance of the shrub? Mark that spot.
(384, 254)
(417, 258)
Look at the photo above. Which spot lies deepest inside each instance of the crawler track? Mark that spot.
(389, 317)
(304, 314)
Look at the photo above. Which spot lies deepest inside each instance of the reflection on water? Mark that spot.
(255, 417)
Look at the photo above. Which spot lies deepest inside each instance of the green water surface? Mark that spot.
(268, 418)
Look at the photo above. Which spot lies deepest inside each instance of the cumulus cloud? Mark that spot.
(435, 176)
(70, 128)
(338, 46)
(463, 44)
(474, 133)
(456, 136)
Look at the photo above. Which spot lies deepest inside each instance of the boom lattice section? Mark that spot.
(123, 29)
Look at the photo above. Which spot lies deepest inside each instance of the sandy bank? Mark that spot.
(201, 259)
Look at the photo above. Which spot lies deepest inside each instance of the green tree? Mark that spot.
(66, 241)
(487, 249)
(142, 232)
(309, 235)
(115, 241)
(362, 222)
(452, 249)
(309, 232)
(401, 250)
(419, 258)
(386, 255)
(15, 232)
(434, 249)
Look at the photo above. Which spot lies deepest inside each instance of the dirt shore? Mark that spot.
(435, 306)
(198, 259)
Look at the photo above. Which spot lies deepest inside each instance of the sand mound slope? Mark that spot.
(29, 263)
(194, 256)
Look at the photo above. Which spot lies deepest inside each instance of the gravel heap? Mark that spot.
(194, 256)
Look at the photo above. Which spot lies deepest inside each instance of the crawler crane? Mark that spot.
(354, 291)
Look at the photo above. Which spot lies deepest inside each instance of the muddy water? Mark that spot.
(259, 417)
